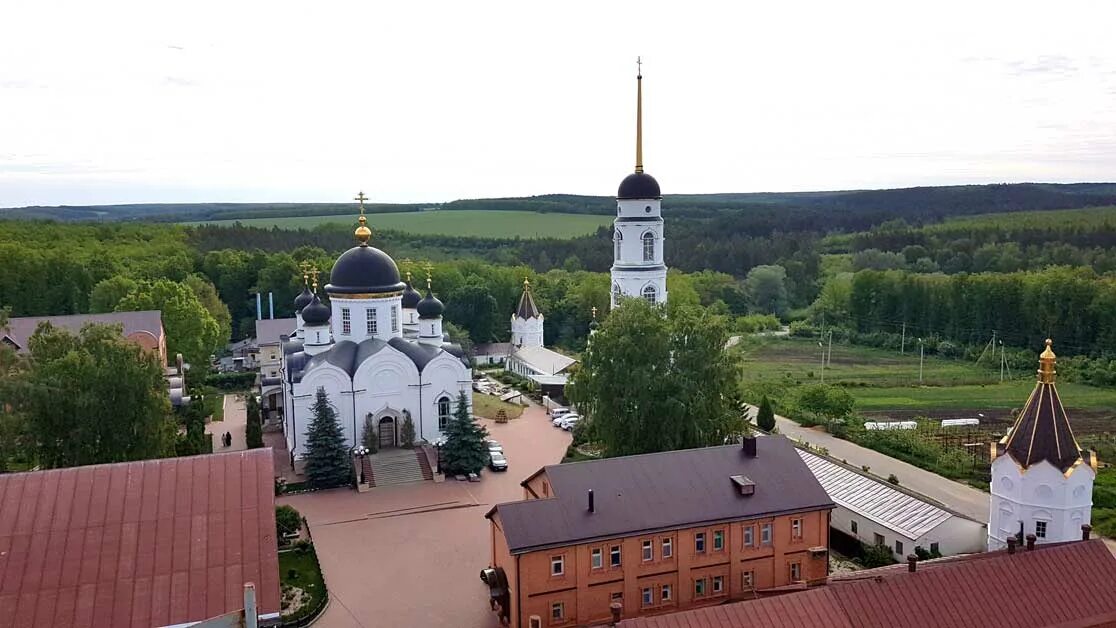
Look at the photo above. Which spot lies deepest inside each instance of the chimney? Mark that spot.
(1086, 529)
(1031, 542)
(592, 505)
(615, 608)
(912, 563)
(750, 446)
(1011, 544)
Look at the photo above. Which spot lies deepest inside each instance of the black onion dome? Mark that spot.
(430, 306)
(593, 324)
(364, 270)
(303, 299)
(316, 313)
(639, 185)
(410, 297)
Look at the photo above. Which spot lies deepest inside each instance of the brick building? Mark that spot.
(658, 533)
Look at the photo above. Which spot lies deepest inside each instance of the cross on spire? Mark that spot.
(361, 198)
(639, 67)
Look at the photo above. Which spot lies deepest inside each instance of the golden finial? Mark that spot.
(639, 115)
(428, 288)
(1047, 359)
(363, 233)
(310, 271)
(526, 284)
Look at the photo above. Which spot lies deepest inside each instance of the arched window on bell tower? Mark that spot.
(619, 239)
(649, 294)
(649, 247)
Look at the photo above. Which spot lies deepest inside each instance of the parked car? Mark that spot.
(558, 411)
(497, 461)
(569, 421)
(494, 446)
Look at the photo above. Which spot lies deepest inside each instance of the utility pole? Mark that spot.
(921, 355)
(903, 340)
(822, 347)
(1003, 361)
(829, 352)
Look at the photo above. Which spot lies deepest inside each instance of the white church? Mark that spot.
(377, 349)
(1042, 480)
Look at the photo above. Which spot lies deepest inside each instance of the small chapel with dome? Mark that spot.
(378, 350)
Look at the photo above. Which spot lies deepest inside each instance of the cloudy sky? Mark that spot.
(117, 102)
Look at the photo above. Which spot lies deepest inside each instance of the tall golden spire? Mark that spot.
(639, 115)
(362, 232)
(1047, 359)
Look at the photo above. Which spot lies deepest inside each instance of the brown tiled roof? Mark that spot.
(1071, 584)
(661, 491)
(20, 329)
(142, 544)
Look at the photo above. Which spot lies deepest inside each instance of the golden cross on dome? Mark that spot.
(639, 67)
(361, 198)
(594, 312)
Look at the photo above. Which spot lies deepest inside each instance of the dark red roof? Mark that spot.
(143, 544)
(1067, 584)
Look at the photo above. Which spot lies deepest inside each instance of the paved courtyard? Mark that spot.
(410, 555)
(234, 421)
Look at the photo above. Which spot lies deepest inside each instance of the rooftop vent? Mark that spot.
(746, 486)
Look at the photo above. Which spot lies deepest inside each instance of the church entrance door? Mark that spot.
(387, 432)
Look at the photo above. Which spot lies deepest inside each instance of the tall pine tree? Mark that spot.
(765, 419)
(327, 460)
(465, 450)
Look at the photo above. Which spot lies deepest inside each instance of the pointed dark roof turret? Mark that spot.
(527, 308)
(1042, 430)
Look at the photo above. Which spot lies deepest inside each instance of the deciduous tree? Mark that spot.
(191, 330)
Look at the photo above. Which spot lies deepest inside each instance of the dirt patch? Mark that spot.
(293, 599)
(1083, 421)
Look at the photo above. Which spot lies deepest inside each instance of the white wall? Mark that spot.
(1038, 493)
(955, 535)
(358, 317)
(643, 216)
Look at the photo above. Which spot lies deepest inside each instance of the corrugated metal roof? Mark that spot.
(150, 543)
(268, 330)
(875, 500)
(1050, 586)
(544, 360)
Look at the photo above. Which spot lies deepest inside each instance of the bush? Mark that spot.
(407, 433)
(231, 381)
(803, 329)
(287, 520)
(253, 430)
(893, 479)
(876, 556)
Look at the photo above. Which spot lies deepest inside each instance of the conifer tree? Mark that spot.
(253, 430)
(327, 461)
(465, 450)
(765, 419)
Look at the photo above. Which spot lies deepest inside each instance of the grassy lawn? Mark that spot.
(299, 568)
(883, 380)
(469, 223)
(487, 406)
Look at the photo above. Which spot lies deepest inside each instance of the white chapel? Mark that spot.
(1042, 480)
(638, 269)
(377, 349)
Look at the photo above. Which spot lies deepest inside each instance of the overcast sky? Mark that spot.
(124, 102)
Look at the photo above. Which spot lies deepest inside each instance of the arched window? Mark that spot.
(648, 247)
(443, 413)
(649, 294)
(616, 294)
(618, 239)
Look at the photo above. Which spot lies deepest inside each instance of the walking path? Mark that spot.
(234, 422)
(960, 497)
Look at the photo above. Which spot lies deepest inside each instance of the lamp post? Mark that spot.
(360, 452)
(822, 347)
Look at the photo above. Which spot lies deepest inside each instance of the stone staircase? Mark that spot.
(397, 466)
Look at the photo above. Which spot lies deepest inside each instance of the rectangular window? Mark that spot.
(718, 584)
(648, 551)
(1040, 529)
(748, 580)
(648, 596)
(795, 572)
(346, 325)
(536, 621)
(597, 558)
(699, 542)
(934, 548)
(370, 313)
(765, 534)
(665, 596)
(614, 556)
(749, 536)
(699, 587)
(852, 526)
(558, 611)
(796, 529)
(394, 320)
(668, 547)
(899, 547)
(879, 539)
(557, 565)
(718, 540)
(617, 596)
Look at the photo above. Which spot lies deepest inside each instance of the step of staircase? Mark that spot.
(399, 466)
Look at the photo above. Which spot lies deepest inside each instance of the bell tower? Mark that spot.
(638, 269)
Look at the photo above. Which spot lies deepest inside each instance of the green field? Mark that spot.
(469, 223)
(886, 382)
